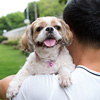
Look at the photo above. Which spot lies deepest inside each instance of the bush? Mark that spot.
(12, 42)
(2, 38)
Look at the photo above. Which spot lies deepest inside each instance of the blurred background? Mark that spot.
(15, 16)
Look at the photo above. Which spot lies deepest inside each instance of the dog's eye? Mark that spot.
(57, 27)
(39, 29)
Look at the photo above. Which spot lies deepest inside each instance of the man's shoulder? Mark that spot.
(41, 81)
(42, 78)
(44, 87)
(84, 82)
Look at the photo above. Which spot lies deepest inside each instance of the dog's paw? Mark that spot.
(12, 90)
(65, 81)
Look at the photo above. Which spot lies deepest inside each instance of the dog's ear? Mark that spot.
(66, 34)
(27, 40)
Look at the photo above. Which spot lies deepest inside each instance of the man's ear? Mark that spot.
(66, 34)
(27, 40)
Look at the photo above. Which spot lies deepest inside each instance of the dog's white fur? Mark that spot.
(38, 61)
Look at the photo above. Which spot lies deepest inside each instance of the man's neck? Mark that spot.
(91, 59)
(86, 56)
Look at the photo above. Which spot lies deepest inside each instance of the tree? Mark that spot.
(45, 8)
(31, 11)
(63, 1)
(50, 8)
(11, 21)
(4, 24)
(16, 19)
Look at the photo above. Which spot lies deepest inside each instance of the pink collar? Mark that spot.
(50, 62)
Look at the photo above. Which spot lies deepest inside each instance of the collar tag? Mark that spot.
(51, 64)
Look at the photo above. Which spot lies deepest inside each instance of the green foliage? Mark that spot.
(2, 38)
(12, 42)
(11, 21)
(10, 61)
(50, 8)
(31, 11)
(16, 19)
(4, 24)
(63, 1)
(45, 8)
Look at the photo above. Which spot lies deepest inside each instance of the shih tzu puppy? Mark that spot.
(47, 37)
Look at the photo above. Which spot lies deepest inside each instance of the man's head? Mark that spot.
(83, 17)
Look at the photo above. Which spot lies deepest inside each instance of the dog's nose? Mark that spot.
(49, 29)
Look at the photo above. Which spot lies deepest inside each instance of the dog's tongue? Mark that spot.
(50, 42)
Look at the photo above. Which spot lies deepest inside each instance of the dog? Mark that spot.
(48, 38)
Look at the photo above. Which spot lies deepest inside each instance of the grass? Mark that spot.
(10, 61)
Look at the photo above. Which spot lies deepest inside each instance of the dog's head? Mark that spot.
(46, 32)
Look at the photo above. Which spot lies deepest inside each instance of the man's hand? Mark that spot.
(4, 83)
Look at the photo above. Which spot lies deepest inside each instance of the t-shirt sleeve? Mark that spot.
(38, 87)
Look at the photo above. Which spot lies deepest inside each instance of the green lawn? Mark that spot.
(10, 61)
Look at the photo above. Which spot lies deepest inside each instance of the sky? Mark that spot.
(11, 6)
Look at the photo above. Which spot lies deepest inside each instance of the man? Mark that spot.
(83, 18)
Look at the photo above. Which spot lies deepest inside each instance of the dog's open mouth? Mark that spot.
(49, 42)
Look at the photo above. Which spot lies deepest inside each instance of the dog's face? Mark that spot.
(46, 32)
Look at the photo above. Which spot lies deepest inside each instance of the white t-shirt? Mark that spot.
(86, 86)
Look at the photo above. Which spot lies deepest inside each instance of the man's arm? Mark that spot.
(4, 83)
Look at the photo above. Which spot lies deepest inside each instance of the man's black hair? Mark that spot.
(83, 17)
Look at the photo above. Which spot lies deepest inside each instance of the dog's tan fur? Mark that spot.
(65, 32)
